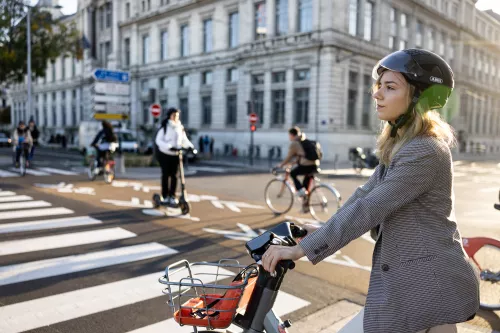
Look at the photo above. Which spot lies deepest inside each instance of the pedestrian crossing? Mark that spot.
(15, 172)
(27, 257)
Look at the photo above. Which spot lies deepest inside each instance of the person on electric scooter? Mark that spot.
(421, 279)
(170, 137)
(104, 142)
(22, 142)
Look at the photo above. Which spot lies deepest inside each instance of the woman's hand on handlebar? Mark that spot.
(310, 227)
(276, 253)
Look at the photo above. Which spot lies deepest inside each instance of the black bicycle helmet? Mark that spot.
(429, 73)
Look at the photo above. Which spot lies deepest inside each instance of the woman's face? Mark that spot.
(391, 95)
(174, 116)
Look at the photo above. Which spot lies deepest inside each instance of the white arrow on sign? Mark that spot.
(109, 88)
(111, 99)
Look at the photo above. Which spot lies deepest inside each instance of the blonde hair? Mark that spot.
(422, 122)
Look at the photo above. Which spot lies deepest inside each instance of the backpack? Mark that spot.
(156, 149)
(312, 150)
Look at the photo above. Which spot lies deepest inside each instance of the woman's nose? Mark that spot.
(377, 94)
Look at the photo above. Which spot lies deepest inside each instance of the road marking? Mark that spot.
(285, 304)
(15, 198)
(50, 310)
(47, 224)
(59, 171)
(247, 234)
(17, 214)
(134, 202)
(170, 212)
(32, 172)
(22, 205)
(64, 240)
(207, 169)
(82, 262)
(6, 193)
(5, 174)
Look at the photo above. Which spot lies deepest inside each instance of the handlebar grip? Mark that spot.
(287, 264)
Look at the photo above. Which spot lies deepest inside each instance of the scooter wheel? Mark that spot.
(185, 207)
(156, 200)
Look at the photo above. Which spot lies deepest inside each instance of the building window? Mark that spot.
(258, 105)
(53, 67)
(403, 35)
(234, 30)
(430, 38)
(164, 105)
(101, 18)
(393, 34)
(279, 77)
(163, 83)
(302, 75)
(109, 15)
(278, 104)
(367, 102)
(145, 112)
(184, 40)
(257, 79)
(353, 17)
(301, 105)
(419, 32)
(145, 86)
(107, 52)
(127, 10)
(207, 36)
(184, 106)
(442, 39)
(369, 16)
(143, 6)
(149, 4)
(63, 68)
(207, 78)
(260, 21)
(126, 48)
(164, 45)
(305, 15)
(184, 80)
(206, 107)
(145, 49)
(232, 75)
(352, 98)
(281, 17)
(231, 110)
(73, 67)
(63, 108)
(454, 11)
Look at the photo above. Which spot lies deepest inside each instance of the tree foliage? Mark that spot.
(49, 40)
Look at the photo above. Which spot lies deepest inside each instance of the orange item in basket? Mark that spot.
(221, 307)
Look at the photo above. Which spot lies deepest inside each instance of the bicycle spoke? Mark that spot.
(323, 203)
(279, 198)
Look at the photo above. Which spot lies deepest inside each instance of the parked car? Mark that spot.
(4, 140)
(127, 140)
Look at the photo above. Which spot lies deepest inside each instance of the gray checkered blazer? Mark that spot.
(420, 274)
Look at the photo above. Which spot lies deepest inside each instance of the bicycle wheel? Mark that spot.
(278, 196)
(487, 262)
(358, 165)
(22, 164)
(324, 201)
(91, 170)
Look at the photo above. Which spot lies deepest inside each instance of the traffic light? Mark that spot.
(253, 128)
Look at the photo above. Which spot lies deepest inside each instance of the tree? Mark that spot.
(49, 40)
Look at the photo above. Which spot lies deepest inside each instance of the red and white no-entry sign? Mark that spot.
(253, 118)
(155, 110)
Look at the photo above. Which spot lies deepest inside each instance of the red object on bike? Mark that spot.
(216, 310)
(474, 244)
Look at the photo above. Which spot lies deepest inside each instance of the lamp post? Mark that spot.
(28, 32)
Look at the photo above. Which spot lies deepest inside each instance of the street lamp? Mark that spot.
(28, 32)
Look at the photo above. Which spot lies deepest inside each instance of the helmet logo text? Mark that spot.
(436, 79)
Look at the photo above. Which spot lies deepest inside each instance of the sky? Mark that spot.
(69, 6)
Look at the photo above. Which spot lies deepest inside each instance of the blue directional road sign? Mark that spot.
(109, 75)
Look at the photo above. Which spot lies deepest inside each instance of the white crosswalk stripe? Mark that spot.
(32, 172)
(59, 171)
(45, 171)
(53, 308)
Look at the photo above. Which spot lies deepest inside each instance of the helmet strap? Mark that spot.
(403, 119)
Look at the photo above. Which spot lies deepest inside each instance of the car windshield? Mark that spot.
(2, 135)
(127, 137)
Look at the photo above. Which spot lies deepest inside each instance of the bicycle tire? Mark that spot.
(283, 189)
(327, 196)
(22, 164)
(90, 173)
(109, 175)
(358, 165)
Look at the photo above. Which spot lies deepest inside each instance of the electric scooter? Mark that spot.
(184, 204)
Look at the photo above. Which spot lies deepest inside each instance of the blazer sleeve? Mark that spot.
(410, 174)
(363, 190)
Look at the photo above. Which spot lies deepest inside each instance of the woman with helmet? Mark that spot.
(170, 137)
(421, 280)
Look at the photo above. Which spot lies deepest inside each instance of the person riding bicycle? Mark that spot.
(421, 279)
(105, 142)
(170, 137)
(304, 166)
(22, 142)
(35, 134)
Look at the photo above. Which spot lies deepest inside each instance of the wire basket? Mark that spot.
(200, 294)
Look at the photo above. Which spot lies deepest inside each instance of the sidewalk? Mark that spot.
(332, 318)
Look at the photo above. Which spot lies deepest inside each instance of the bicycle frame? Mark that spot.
(287, 179)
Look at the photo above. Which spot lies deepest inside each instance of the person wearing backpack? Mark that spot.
(104, 142)
(171, 135)
(306, 154)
